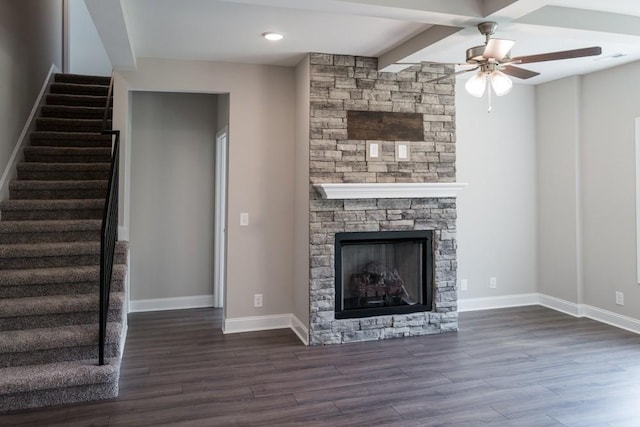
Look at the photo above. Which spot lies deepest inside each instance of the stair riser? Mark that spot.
(39, 140)
(64, 112)
(57, 319)
(52, 125)
(58, 396)
(53, 261)
(62, 175)
(77, 101)
(82, 79)
(23, 194)
(78, 158)
(75, 89)
(35, 290)
(42, 237)
(58, 214)
(55, 355)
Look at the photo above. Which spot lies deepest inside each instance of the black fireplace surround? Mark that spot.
(383, 272)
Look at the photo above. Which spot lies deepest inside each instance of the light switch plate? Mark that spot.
(244, 219)
(374, 151)
(403, 151)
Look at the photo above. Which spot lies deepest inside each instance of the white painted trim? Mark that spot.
(177, 303)
(491, 303)
(123, 233)
(395, 190)
(612, 319)
(563, 306)
(300, 329)
(265, 323)
(256, 323)
(637, 148)
(10, 169)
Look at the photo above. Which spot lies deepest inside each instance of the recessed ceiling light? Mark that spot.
(272, 36)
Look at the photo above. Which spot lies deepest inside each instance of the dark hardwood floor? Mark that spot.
(527, 366)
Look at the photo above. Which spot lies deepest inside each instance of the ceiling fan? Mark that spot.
(493, 61)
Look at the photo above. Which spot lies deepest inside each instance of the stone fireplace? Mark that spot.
(408, 199)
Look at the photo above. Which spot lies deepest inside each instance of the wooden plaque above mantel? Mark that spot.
(385, 126)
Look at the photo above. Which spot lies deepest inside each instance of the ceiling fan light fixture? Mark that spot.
(271, 36)
(500, 83)
(477, 84)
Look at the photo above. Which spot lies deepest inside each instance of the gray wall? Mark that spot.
(261, 169)
(497, 210)
(86, 51)
(30, 42)
(172, 188)
(558, 132)
(593, 118)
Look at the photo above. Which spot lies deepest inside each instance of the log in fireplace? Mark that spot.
(382, 273)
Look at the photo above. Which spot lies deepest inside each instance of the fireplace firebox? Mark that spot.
(382, 273)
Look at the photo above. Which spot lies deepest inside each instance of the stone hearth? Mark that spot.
(344, 83)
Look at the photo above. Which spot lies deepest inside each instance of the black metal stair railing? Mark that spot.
(109, 230)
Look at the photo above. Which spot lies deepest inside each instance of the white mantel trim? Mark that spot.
(393, 190)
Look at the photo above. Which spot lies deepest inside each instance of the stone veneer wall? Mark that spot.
(341, 83)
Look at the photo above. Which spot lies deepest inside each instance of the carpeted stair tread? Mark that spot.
(70, 139)
(39, 189)
(55, 304)
(49, 226)
(56, 375)
(86, 273)
(32, 250)
(82, 79)
(20, 283)
(62, 171)
(70, 125)
(67, 154)
(18, 379)
(73, 111)
(76, 100)
(79, 89)
(56, 337)
(36, 204)
(47, 231)
(42, 209)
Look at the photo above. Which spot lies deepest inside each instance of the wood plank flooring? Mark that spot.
(527, 366)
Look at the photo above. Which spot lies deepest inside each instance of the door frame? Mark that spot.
(220, 229)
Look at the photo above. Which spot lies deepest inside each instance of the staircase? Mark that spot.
(49, 257)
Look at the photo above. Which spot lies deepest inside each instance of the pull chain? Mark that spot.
(489, 96)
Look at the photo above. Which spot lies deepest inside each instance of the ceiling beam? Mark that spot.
(388, 62)
(586, 20)
(110, 19)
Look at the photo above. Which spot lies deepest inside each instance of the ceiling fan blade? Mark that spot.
(518, 72)
(448, 76)
(497, 48)
(554, 56)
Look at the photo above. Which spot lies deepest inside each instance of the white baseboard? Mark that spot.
(300, 329)
(611, 318)
(563, 306)
(491, 303)
(265, 323)
(178, 303)
(10, 170)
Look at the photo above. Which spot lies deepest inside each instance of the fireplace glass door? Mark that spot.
(383, 273)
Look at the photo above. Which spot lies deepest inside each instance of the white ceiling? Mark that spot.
(393, 30)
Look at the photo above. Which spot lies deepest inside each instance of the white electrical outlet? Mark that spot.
(619, 298)
(257, 300)
(244, 219)
(464, 285)
(493, 283)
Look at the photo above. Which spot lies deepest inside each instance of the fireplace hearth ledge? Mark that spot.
(390, 190)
